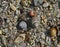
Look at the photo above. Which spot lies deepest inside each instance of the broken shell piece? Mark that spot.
(23, 36)
(20, 38)
(12, 7)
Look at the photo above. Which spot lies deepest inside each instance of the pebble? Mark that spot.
(43, 36)
(53, 32)
(0, 31)
(38, 2)
(32, 13)
(23, 44)
(24, 3)
(58, 45)
(46, 4)
(34, 17)
(4, 40)
(23, 25)
(8, 21)
(23, 36)
(18, 40)
(12, 7)
(51, 7)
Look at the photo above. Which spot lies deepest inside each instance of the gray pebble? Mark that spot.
(23, 25)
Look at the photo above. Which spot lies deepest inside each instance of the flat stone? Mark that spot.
(45, 4)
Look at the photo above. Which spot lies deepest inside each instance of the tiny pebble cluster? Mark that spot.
(29, 23)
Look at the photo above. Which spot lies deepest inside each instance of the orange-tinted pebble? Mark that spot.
(32, 13)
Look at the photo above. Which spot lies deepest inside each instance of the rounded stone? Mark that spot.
(23, 25)
(32, 13)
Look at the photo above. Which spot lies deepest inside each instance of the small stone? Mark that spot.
(14, 27)
(10, 28)
(8, 21)
(32, 13)
(16, 17)
(49, 14)
(29, 1)
(6, 36)
(23, 36)
(45, 4)
(53, 39)
(53, 32)
(1, 21)
(58, 0)
(43, 35)
(36, 24)
(24, 3)
(18, 40)
(38, 2)
(23, 44)
(58, 45)
(0, 46)
(12, 7)
(4, 40)
(51, 7)
(27, 37)
(0, 31)
(43, 17)
(23, 25)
